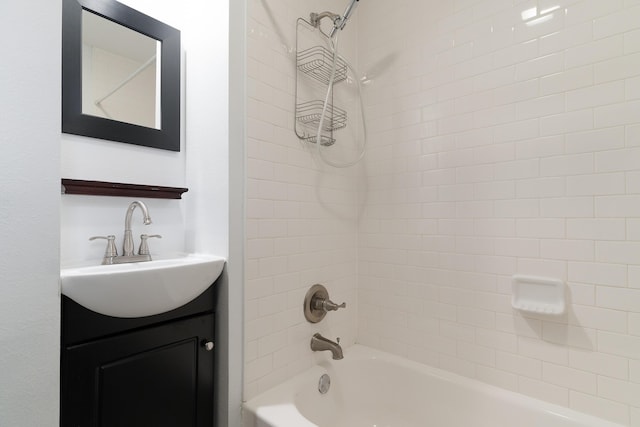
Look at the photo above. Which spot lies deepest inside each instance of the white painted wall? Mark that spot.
(234, 295)
(35, 225)
(199, 221)
(29, 213)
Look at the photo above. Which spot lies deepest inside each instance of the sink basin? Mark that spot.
(141, 289)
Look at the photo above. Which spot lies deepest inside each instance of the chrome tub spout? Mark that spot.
(320, 343)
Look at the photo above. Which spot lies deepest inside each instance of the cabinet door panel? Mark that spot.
(161, 387)
(160, 376)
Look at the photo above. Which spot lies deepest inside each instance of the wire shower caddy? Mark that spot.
(315, 63)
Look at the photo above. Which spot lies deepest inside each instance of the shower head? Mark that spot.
(340, 22)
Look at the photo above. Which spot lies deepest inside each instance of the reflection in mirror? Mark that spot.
(120, 72)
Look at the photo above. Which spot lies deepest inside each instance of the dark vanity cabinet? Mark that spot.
(153, 371)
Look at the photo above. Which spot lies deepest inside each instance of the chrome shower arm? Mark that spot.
(317, 17)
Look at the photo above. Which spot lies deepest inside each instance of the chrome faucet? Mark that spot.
(127, 246)
(320, 343)
(128, 255)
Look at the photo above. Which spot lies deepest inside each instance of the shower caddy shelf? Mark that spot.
(309, 114)
(315, 63)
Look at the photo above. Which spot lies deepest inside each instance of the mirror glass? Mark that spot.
(120, 72)
(120, 75)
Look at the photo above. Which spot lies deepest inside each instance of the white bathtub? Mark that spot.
(375, 389)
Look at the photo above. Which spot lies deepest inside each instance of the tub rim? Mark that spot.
(280, 400)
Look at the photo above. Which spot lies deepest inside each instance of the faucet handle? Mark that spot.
(144, 247)
(329, 305)
(111, 250)
(317, 304)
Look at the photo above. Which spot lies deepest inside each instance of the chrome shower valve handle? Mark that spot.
(326, 304)
(317, 304)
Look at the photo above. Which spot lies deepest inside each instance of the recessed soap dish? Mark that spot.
(541, 295)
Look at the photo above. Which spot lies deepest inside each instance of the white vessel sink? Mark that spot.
(141, 289)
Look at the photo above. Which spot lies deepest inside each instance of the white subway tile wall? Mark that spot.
(301, 217)
(530, 166)
(503, 139)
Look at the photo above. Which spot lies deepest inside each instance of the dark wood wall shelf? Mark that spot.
(102, 188)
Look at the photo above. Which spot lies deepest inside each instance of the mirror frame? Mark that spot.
(77, 123)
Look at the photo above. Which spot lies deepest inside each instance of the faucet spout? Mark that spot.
(320, 343)
(127, 246)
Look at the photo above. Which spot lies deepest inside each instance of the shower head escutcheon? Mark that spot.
(339, 22)
(317, 17)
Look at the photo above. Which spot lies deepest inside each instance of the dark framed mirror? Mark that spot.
(120, 75)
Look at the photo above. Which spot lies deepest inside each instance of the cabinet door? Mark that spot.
(160, 376)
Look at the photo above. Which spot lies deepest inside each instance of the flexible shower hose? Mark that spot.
(333, 43)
